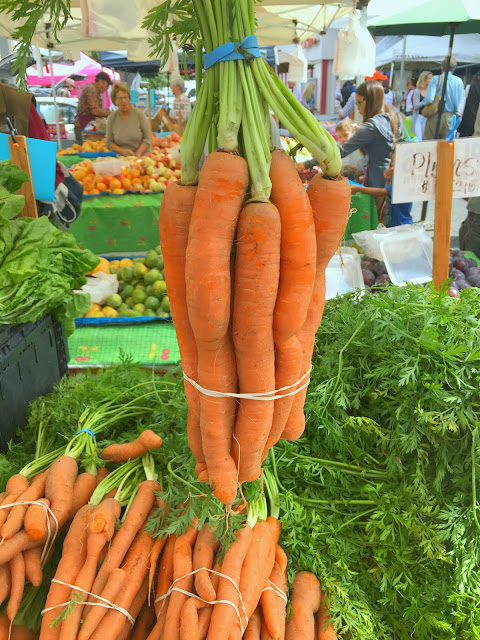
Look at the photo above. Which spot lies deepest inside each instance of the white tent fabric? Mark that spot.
(466, 49)
(278, 23)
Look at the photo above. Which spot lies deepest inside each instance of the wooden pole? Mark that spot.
(19, 157)
(443, 211)
(149, 100)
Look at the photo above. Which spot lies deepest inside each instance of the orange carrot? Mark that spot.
(281, 558)
(17, 569)
(19, 542)
(102, 473)
(59, 487)
(93, 616)
(305, 601)
(205, 613)
(134, 521)
(203, 554)
(33, 566)
(5, 582)
(148, 439)
(156, 551)
(259, 562)
(165, 579)
(330, 201)
(35, 522)
(136, 568)
(325, 628)
(223, 615)
(83, 488)
(182, 565)
(104, 517)
(134, 610)
(273, 605)
(257, 272)
(189, 619)
(265, 632)
(219, 199)
(15, 632)
(298, 247)
(15, 518)
(254, 628)
(73, 557)
(16, 485)
(288, 370)
(175, 215)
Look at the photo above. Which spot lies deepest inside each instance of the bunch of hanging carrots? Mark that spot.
(245, 249)
(47, 495)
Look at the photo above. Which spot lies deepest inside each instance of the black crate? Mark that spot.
(33, 357)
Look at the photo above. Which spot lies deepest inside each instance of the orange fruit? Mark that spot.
(79, 175)
(125, 262)
(101, 186)
(94, 314)
(126, 183)
(94, 192)
(115, 184)
(95, 307)
(109, 312)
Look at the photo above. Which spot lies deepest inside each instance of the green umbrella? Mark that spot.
(433, 18)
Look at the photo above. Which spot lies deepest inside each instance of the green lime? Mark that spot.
(149, 290)
(125, 274)
(139, 295)
(127, 291)
(152, 276)
(122, 309)
(114, 300)
(139, 307)
(165, 304)
(159, 249)
(114, 270)
(162, 314)
(138, 260)
(159, 288)
(151, 259)
(135, 314)
(129, 302)
(150, 313)
(130, 313)
(139, 270)
(152, 303)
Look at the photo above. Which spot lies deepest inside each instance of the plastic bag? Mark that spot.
(369, 241)
(354, 50)
(100, 285)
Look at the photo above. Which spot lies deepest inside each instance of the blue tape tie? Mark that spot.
(456, 120)
(89, 431)
(244, 50)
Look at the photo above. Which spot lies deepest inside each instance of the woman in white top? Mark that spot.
(419, 121)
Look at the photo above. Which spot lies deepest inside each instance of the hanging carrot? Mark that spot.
(257, 271)
(298, 247)
(305, 601)
(331, 204)
(219, 199)
(203, 555)
(14, 521)
(174, 221)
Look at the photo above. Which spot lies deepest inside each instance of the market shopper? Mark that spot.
(90, 103)
(419, 121)
(182, 103)
(127, 128)
(469, 232)
(472, 102)
(453, 100)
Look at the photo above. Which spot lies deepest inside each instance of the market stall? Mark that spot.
(311, 469)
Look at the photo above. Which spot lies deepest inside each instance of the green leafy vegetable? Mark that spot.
(11, 179)
(40, 267)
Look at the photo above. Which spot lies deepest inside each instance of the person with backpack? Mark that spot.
(453, 101)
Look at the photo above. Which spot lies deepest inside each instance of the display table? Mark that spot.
(129, 223)
(120, 224)
(148, 343)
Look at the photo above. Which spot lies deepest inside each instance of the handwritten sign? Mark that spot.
(182, 105)
(414, 178)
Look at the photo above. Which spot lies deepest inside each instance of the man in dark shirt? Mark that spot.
(90, 103)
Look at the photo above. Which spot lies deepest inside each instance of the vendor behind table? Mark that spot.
(127, 128)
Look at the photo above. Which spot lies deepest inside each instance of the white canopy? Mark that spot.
(278, 23)
(466, 49)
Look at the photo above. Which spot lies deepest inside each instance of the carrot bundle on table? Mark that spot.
(245, 248)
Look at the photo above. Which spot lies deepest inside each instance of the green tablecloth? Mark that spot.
(69, 161)
(363, 214)
(120, 224)
(129, 223)
(150, 343)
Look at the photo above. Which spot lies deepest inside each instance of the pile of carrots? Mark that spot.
(246, 320)
(33, 513)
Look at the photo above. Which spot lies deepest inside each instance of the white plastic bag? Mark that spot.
(354, 50)
(100, 285)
